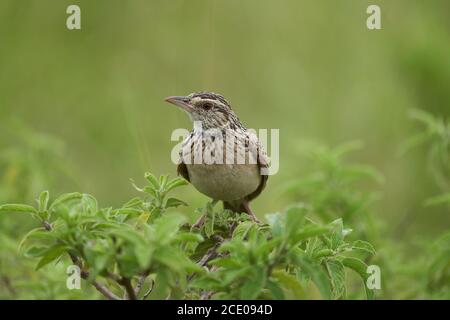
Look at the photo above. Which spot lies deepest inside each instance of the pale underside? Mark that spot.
(225, 181)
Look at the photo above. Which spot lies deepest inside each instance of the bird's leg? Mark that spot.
(250, 212)
(202, 218)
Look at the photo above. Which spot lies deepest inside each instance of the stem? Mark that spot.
(85, 274)
(7, 282)
(149, 290)
(140, 283)
(105, 291)
(126, 282)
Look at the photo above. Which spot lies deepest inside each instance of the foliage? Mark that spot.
(27, 161)
(334, 188)
(432, 269)
(281, 258)
(103, 91)
(143, 250)
(122, 250)
(436, 136)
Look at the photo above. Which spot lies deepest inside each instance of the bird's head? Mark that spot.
(211, 109)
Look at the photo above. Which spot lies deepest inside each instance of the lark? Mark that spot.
(220, 157)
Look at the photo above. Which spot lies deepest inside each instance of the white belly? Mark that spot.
(225, 181)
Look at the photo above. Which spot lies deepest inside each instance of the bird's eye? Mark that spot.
(207, 105)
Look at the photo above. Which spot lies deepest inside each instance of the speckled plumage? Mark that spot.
(221, 157)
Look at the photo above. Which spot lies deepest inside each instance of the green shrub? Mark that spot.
(142, 250)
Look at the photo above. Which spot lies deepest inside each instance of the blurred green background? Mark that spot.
(83, 110)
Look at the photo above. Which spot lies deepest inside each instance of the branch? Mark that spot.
(140, 283)
(126, 282)
(7, 282)
(149, 290)
(210, 254)
(85, 274)
(206, 295)
(105, 291)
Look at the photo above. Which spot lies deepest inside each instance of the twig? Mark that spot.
(47, 225)
(85, 274)
(200, 221)
(140, 283)
(115, 277)
(8, 285)
(126, 282)
(105, 291)
(149, 290)
(206, 295)
(210, 254)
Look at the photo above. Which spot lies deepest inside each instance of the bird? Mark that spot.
(220, 157)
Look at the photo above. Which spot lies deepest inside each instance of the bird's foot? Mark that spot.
(254, 218)
(250, 212)
(199, 223)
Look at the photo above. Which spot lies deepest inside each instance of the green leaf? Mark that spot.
(51, 255)
(175, 260)
(143, 218)
(337, 237)
(64, 198)
(35, 252)
(189, 237)
(309, 231)
(167, 226)
(150, 191)
(89, 203)
(253, 286)
(274, 220)
(128, 234)
(143, 255)
(363, 246)
(135, 186)
(438, 200)
(234, 274)
(323, 253)
(132, 213)
(43, 201)
(336, 272)
(360, 268)
(174, 202)
(136, 201)
(210, 222)
(294, 219)
(288, 282)
(316, 273)
(163, 181)
(275, 290)
(225, 262)
(242, 229)
(22, 208)
(31, 233)
(264, 249)
(175, 183)
(152, 179)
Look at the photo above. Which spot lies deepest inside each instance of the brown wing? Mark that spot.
(182, 170)
(263, 162)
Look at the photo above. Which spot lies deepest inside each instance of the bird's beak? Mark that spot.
(180, 101)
